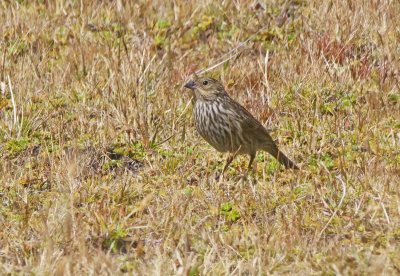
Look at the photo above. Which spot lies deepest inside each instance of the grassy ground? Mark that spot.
(102, 171)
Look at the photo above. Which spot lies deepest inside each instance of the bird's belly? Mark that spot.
(216, 128)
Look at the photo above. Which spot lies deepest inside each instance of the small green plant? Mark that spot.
(18, 145)
(229, 213)
(114, 240)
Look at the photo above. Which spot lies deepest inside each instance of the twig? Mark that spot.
(21, 123)
(339, 177)
(13, 102)
(145, 69)
(383, 208)
(218, 64)
(203, 70)
(359, 205)
(234, 250)
(384, 211)
(266, 77)
(179, 119)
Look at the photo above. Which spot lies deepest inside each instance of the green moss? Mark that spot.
(162, 24)
(228, 212)
(114, 240)
(18, 145)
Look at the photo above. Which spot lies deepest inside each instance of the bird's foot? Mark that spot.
(219, 176)
(238, 177)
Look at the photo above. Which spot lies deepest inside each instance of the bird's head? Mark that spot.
(205, 88)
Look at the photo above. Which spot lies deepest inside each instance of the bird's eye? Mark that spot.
(205, 82)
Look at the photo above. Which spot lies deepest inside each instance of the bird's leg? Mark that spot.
(252, 156)
(228, 161)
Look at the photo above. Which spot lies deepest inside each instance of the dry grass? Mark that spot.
(102, 171)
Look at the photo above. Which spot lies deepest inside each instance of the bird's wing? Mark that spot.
(249, 123)
(252, 126)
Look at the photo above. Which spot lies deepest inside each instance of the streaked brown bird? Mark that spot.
(227, 125)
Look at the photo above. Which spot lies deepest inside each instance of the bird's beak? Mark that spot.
(191, 84)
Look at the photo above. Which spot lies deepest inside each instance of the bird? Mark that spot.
(228, 126)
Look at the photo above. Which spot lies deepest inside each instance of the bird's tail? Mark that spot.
(286, 161)
(281, 157)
